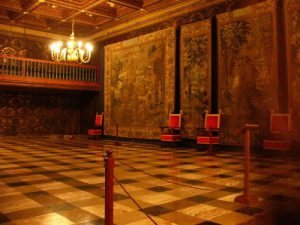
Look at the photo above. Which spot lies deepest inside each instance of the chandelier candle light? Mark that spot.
(74, 52)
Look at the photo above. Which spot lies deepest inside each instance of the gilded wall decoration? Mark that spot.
(195, 63)
(30, 113)
(139, 84)
(292, 12)
(247, 67)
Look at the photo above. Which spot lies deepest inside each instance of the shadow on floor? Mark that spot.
(285, 214)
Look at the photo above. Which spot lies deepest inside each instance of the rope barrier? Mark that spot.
(109, 164)
(135, 202)
(173, 182)
(109, 174)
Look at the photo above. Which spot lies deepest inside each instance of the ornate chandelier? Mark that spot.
(73, 52)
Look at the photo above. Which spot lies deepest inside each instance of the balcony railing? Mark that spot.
(43, 73)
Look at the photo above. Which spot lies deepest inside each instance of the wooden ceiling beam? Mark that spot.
(28, 7)
(31, 5)
(4, 14)
(110, 13)
(11, 15)
(85, 9)
(72, 5)
(103, 12)
(88, 9)
(135, 4)
(10, 5)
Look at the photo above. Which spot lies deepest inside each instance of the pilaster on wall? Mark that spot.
(282, 58)
(214, 65)
(292, 31)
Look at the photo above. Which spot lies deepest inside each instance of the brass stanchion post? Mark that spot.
(109, 187)
(246, 198)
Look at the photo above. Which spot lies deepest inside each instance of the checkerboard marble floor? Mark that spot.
(55, 181)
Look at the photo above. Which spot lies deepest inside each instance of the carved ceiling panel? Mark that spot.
(90, 16)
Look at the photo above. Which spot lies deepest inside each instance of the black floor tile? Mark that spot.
(87, 187)
(156, 210)
(208, 223)
(199, 199)
(18, 184)
(190, 171)
(161, 176)
(193, 182)
(261, 182)
(3, 218)
(127, 181)
(119, 197)
(281, 198)
(94, 222)
(232, 189)
(249, 210)
(159, 189)
(99, 174)
(222, 176)
(36, 194)
(61, 207)
(214, 167)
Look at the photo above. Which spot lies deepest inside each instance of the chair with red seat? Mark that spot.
(209, 134)
(171, 133)
(280, 125)
(98, 129)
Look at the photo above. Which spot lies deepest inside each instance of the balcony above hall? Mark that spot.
(16, 71)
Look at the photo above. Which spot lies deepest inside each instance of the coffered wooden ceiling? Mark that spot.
(90, 16)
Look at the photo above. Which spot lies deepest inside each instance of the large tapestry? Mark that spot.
(292, 13)
(247, 68)
(195, 63)
(139, 84)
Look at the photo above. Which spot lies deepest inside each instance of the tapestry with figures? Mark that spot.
(139, 84)
(247, 68)
(195, 63)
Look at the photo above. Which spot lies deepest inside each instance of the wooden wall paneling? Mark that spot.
(28, 112)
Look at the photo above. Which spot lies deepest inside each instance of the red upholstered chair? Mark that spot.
(280, 125)
(98, 129)
(209, 135)
(171, 133)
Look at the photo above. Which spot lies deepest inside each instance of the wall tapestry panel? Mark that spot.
(247, 68)
(292, 12)
(195, 63)
(14, 44)
(139, 84)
